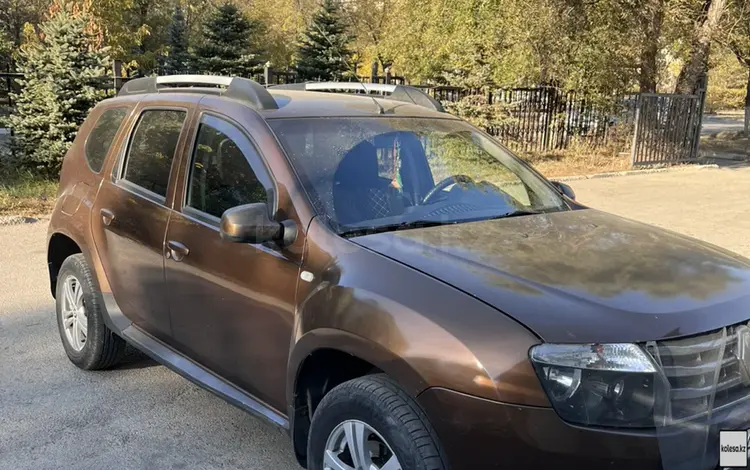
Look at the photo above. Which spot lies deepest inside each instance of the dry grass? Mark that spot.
(581, 159)
(26, 195)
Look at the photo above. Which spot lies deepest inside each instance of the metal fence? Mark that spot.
(275, 77)
(545, 118)
(542, 118)
(667, 128)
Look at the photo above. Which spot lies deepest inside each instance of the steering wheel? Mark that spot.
(444, 184)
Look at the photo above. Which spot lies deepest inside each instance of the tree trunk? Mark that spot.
(747, 105)
(696, 67)
(654, 17)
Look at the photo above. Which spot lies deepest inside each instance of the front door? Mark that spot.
(232, 304)
(129, 219)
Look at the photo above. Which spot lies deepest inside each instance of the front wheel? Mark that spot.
(370, 423)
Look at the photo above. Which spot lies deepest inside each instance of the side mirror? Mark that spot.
(250, 223)
(565, 189)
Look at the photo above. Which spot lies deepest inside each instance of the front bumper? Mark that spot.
(479, 434)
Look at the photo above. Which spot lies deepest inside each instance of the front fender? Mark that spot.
(349, 343)
(412, 326)
(393, 336)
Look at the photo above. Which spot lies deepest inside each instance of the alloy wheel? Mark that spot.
(355, 445)
(74, 319)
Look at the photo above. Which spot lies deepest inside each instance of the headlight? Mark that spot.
(598, 384)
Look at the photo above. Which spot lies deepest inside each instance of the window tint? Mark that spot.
(152, 149)
(101, 136)
(221, 177)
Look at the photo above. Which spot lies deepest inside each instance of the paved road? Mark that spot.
(142, 416)
(710, 204)
(719, 123)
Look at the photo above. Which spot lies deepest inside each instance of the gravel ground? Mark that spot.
(54, 416)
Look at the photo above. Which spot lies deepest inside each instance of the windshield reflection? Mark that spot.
(387, 174)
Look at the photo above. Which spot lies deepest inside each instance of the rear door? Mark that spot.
(131, 212)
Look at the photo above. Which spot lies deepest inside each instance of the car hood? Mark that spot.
(582, 276)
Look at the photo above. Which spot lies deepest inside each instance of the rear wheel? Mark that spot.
(370, 423)
(88, 342)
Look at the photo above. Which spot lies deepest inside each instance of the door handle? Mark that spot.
(176, 250)
(107, 216)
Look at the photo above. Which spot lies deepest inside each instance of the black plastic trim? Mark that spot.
(201, 376)
(184, 366)
(113, 316)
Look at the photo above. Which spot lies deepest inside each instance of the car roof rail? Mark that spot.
(237, 88)
(405, 93)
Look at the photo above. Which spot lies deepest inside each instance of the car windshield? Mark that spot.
(376, 174)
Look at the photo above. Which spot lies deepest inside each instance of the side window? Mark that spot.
(220, 174)
(152, 149)
(101, 136)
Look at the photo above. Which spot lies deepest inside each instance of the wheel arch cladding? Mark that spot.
(325, 358)
(59, 248)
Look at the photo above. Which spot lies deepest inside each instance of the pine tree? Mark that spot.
(177, 60)
(63, 79)
(323, 52)
(229, 45)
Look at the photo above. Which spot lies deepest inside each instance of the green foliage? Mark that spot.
(285, 22)
(64, 79)
(195, 11)
(509, 43)
(134, 30)
(727, 83)
(476, 110)
(324, 51)
(177, 60)
(370, 19)
(231, 44)
(6, 51)
(14, 14)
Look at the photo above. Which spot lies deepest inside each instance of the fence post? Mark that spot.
(117, 73)
(636, 131)
(701, 92)
(267, 73)
(9, 83)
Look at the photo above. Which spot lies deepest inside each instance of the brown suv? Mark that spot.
(389, 284)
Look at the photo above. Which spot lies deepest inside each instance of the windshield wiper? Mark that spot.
(422, 223)
(360, 231)
(515, 213)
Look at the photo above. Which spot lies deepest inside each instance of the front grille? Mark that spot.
(697, 366)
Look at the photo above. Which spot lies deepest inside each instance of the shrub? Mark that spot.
(64, 77)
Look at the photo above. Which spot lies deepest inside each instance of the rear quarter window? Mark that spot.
(102, 135)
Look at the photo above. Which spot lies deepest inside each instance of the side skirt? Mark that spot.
(186, 367)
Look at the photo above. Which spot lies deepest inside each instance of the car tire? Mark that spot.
(378, 403)
(99, 348)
